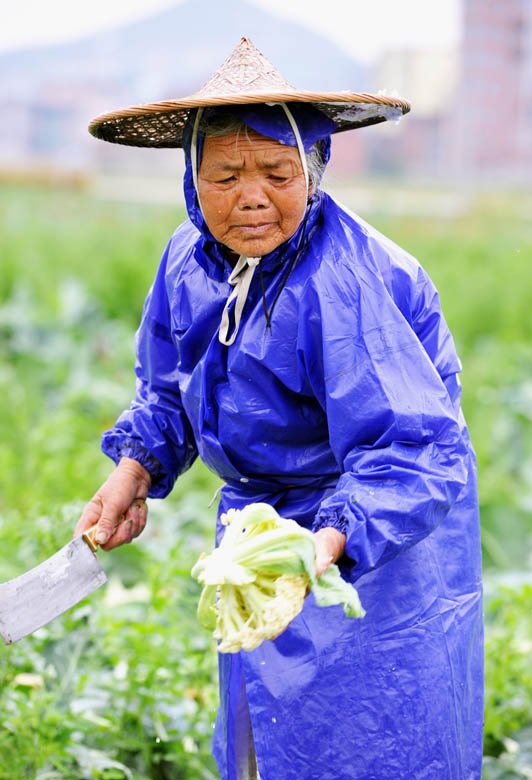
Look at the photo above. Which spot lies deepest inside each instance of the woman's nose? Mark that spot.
(253, 196)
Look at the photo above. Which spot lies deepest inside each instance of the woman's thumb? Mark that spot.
(106, 525)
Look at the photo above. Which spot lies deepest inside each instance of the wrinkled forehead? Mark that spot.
(242, 149)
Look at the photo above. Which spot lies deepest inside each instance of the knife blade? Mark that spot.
(35, 598)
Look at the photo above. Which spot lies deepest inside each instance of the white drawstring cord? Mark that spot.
(215, 496)
(194, 155)
(240, 278)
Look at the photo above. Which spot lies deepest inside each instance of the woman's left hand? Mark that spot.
(330, 545)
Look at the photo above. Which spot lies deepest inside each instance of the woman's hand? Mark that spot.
(330, 545)
(120, 517)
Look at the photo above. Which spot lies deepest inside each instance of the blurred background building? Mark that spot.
(495, 90)
(471, 106)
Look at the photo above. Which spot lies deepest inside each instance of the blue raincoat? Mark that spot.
(346, 413)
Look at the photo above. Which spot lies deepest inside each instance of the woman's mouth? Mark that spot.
(255, 230)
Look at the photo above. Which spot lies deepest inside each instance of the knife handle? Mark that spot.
(88, 536)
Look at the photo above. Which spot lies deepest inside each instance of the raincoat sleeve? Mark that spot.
(155, 430)
(376, 353)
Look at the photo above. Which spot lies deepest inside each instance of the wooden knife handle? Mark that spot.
(88, 536)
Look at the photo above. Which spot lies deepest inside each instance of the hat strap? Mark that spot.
(194, 155)
(240, 278)
(301, 148)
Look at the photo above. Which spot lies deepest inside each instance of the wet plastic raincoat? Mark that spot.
(346, 413)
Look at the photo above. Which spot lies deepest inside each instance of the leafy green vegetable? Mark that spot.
(508, 666)
(256, 581)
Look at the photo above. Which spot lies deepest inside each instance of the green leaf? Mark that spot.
(330, 589)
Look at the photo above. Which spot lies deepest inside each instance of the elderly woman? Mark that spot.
(304, 357)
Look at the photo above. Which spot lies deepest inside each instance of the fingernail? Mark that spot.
(101, 537)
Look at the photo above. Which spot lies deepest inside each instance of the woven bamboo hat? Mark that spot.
(246, 76)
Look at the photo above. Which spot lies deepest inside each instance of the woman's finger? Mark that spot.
(89, 517)
(122, 534)
(108, 522)
(330, 546)
(138, 514)
(323, 561)
(130, 525)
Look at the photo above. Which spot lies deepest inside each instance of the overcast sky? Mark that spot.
(362, 28)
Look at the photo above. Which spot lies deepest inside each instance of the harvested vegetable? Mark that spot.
(256, 581)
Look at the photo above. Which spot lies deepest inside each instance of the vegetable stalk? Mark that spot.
(255, 582)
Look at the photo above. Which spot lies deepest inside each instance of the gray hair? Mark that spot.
(218, 126)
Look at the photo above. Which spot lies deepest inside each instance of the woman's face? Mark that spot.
(252, 191)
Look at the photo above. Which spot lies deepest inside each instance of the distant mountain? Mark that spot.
(50, 93)
(173, 52)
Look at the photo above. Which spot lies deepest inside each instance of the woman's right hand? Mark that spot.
(118, 507)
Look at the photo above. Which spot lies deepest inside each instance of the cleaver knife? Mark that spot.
(51, 588)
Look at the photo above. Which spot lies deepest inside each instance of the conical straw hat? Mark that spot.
(246, 76)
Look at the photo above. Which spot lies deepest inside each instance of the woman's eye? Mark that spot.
(279, 179)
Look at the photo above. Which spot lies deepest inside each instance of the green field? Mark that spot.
(124, 686)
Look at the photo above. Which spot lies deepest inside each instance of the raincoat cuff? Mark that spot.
(336, 521)
(349, 520)
(161, 482)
